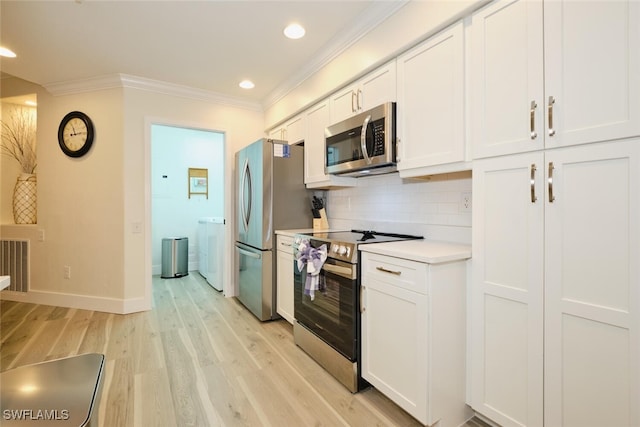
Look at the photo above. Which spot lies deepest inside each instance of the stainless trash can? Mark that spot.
(174, 257)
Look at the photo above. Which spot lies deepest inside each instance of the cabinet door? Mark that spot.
(314, 156)
(592, 286)
(507, 289)
(431, 101)
(295, 129)
(284, 291)
(377, 87)
(507, 78)
(372, 90)
(394, 345)
(344, 103)
(592, 70)
(277, 133)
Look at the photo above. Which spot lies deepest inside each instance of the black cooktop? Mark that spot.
(359, 236)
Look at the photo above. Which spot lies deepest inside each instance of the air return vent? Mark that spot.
(14, 262)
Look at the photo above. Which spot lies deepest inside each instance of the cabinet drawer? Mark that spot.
(398, 272)
(285, 243)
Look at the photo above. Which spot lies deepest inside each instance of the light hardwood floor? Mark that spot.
(196, 359)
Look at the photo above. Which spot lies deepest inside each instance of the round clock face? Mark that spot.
(75, 134)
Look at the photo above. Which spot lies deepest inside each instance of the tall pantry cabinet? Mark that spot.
(555, 295)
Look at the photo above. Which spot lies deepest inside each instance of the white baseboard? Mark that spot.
(109, 305)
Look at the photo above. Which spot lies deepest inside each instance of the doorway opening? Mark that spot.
(180, 199)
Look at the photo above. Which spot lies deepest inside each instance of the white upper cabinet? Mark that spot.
(563, 74)
(293, 131)
(317, 119)
(430, 109)
(592, 71)
(370, 91)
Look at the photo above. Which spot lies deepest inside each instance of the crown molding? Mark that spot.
(373, 16)
(370, 18)
(113, 81)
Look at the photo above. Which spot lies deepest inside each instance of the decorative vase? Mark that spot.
(25, 199)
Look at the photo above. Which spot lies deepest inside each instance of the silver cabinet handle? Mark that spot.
(532, 120)
(358, 99)
(354, 106)
(533, 183)
(552, 101)
(550, 181)
(384, 270)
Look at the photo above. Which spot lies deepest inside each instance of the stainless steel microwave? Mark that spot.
(364, 144)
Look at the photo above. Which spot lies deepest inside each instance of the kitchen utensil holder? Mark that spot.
(321, 223)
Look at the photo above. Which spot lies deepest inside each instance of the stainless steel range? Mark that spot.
(327, 298)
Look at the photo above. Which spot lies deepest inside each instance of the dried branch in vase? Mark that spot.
(19, 137)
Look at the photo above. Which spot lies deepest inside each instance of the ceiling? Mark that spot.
(205, 45)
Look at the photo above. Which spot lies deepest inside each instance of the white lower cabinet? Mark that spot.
(284, 281)
(413, 323)
(555, 292)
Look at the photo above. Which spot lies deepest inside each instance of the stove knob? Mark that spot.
(342, 250)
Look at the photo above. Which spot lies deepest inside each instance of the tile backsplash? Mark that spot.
(437, 207)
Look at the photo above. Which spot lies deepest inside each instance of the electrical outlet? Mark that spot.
(67, 272)
(465, 202)
(40, 235)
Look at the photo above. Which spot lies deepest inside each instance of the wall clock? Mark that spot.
(75, 134)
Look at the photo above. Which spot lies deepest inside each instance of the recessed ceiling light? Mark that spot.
(7, 52)
(294, 31)
(246, 84)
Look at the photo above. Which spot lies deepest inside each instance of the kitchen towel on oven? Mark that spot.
(313, 259)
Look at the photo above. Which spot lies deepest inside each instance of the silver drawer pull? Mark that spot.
(384, 270)
(286, 244)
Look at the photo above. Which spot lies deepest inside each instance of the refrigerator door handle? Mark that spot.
(246, 178)
(248, 253)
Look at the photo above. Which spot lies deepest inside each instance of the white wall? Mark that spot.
(240, 125)
(173, 151)
(80, 208)
(89, 208)
(431, 208)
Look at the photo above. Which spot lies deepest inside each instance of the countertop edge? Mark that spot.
(425, 251)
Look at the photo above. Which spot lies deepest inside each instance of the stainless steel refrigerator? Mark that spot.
(271, 195)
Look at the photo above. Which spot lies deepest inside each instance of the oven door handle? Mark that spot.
(347, 272)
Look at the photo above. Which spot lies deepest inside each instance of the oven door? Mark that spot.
(331, 315)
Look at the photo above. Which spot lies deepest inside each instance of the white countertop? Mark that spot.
(291, 233)
(5, 281)
(427, 251)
